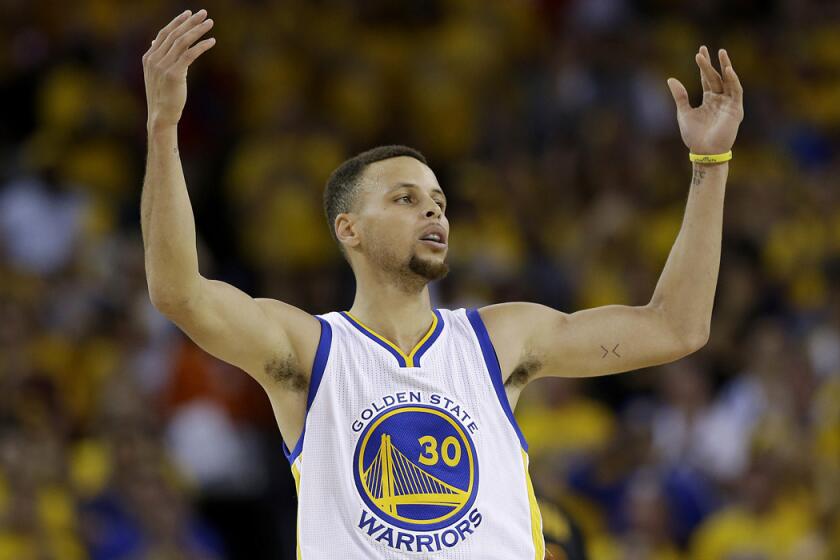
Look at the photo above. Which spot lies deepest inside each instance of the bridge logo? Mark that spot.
(415, 467)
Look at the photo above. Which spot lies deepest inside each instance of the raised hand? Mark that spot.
(165, 65)
(710, 128)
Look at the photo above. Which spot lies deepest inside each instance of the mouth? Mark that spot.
(434, 236)
(433, 244)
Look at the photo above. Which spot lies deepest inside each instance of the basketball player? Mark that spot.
(399, 416)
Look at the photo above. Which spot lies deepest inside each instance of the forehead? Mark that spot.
(381, 176)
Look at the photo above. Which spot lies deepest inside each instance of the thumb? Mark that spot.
(679, 93)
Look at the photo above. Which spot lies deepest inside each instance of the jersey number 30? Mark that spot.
(450, 451)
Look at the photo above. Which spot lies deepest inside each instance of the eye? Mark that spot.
(404, 196)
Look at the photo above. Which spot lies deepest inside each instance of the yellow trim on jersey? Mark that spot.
(409, 359)
(536, 518)
(296, 474)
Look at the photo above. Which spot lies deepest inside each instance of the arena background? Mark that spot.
(551, 128)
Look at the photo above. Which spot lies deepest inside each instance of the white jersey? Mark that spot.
(412, 455)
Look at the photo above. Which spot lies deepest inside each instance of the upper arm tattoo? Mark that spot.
(610, 352)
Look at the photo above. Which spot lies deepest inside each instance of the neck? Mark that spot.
(399, 311)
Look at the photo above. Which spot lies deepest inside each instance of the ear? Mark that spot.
(346, 230)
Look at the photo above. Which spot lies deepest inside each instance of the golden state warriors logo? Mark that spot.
(415, 467)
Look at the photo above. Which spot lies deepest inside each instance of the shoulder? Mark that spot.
(302, 329)
(518, 321)
(511, 327)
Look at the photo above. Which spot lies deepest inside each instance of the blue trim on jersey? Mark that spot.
(431, 340)
(318, 366)
(368, 334)
(401, 359)
(492, 362)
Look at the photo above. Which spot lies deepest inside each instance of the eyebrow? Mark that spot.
(413, 185)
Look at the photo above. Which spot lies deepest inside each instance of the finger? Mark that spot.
(679, 93)
(715, 74)
(727, 86)
(703, 82)
(196, 50)
(712, 76)
(156, 42)
(731, 84)
(737, 91)
(182, 43)
(711, 83)
(707, 88)
(723, 56)
(185, 26)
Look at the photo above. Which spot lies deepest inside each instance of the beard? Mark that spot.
(410, 274)
(428, 269)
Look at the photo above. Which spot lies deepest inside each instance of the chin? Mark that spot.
(429, 268)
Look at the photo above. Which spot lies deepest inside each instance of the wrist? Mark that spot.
(703, 172)
(157, 126)
(719, 165)
(709, 156)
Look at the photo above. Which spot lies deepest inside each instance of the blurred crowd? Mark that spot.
(550, 127)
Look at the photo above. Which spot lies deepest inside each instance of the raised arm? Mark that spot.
(272, 341)
(166, 216)
(534, 340)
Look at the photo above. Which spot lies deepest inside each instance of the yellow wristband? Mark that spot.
(710, 158)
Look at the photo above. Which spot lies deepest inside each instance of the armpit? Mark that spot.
(285, 372)
(524, 372)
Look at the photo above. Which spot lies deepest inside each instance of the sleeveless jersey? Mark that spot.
(412, 455)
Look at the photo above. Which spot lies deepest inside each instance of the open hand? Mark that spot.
(165, 65)
(710, 128)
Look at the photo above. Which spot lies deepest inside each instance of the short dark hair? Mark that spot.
(341, 192)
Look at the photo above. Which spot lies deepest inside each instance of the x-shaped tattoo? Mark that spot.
(608, 351)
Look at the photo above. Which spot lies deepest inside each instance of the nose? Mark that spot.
(433, 210)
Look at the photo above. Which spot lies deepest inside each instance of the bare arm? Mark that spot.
(617, 338)
(273, 341)
(166, 216)
(535, 341)
(686, 287)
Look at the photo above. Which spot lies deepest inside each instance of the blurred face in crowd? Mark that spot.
(399, 202)
(759, 484)
(647, 510)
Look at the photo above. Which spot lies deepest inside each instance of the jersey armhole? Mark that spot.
(318, 366)
(491, 360)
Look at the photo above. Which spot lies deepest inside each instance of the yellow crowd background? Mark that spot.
(551, 129)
